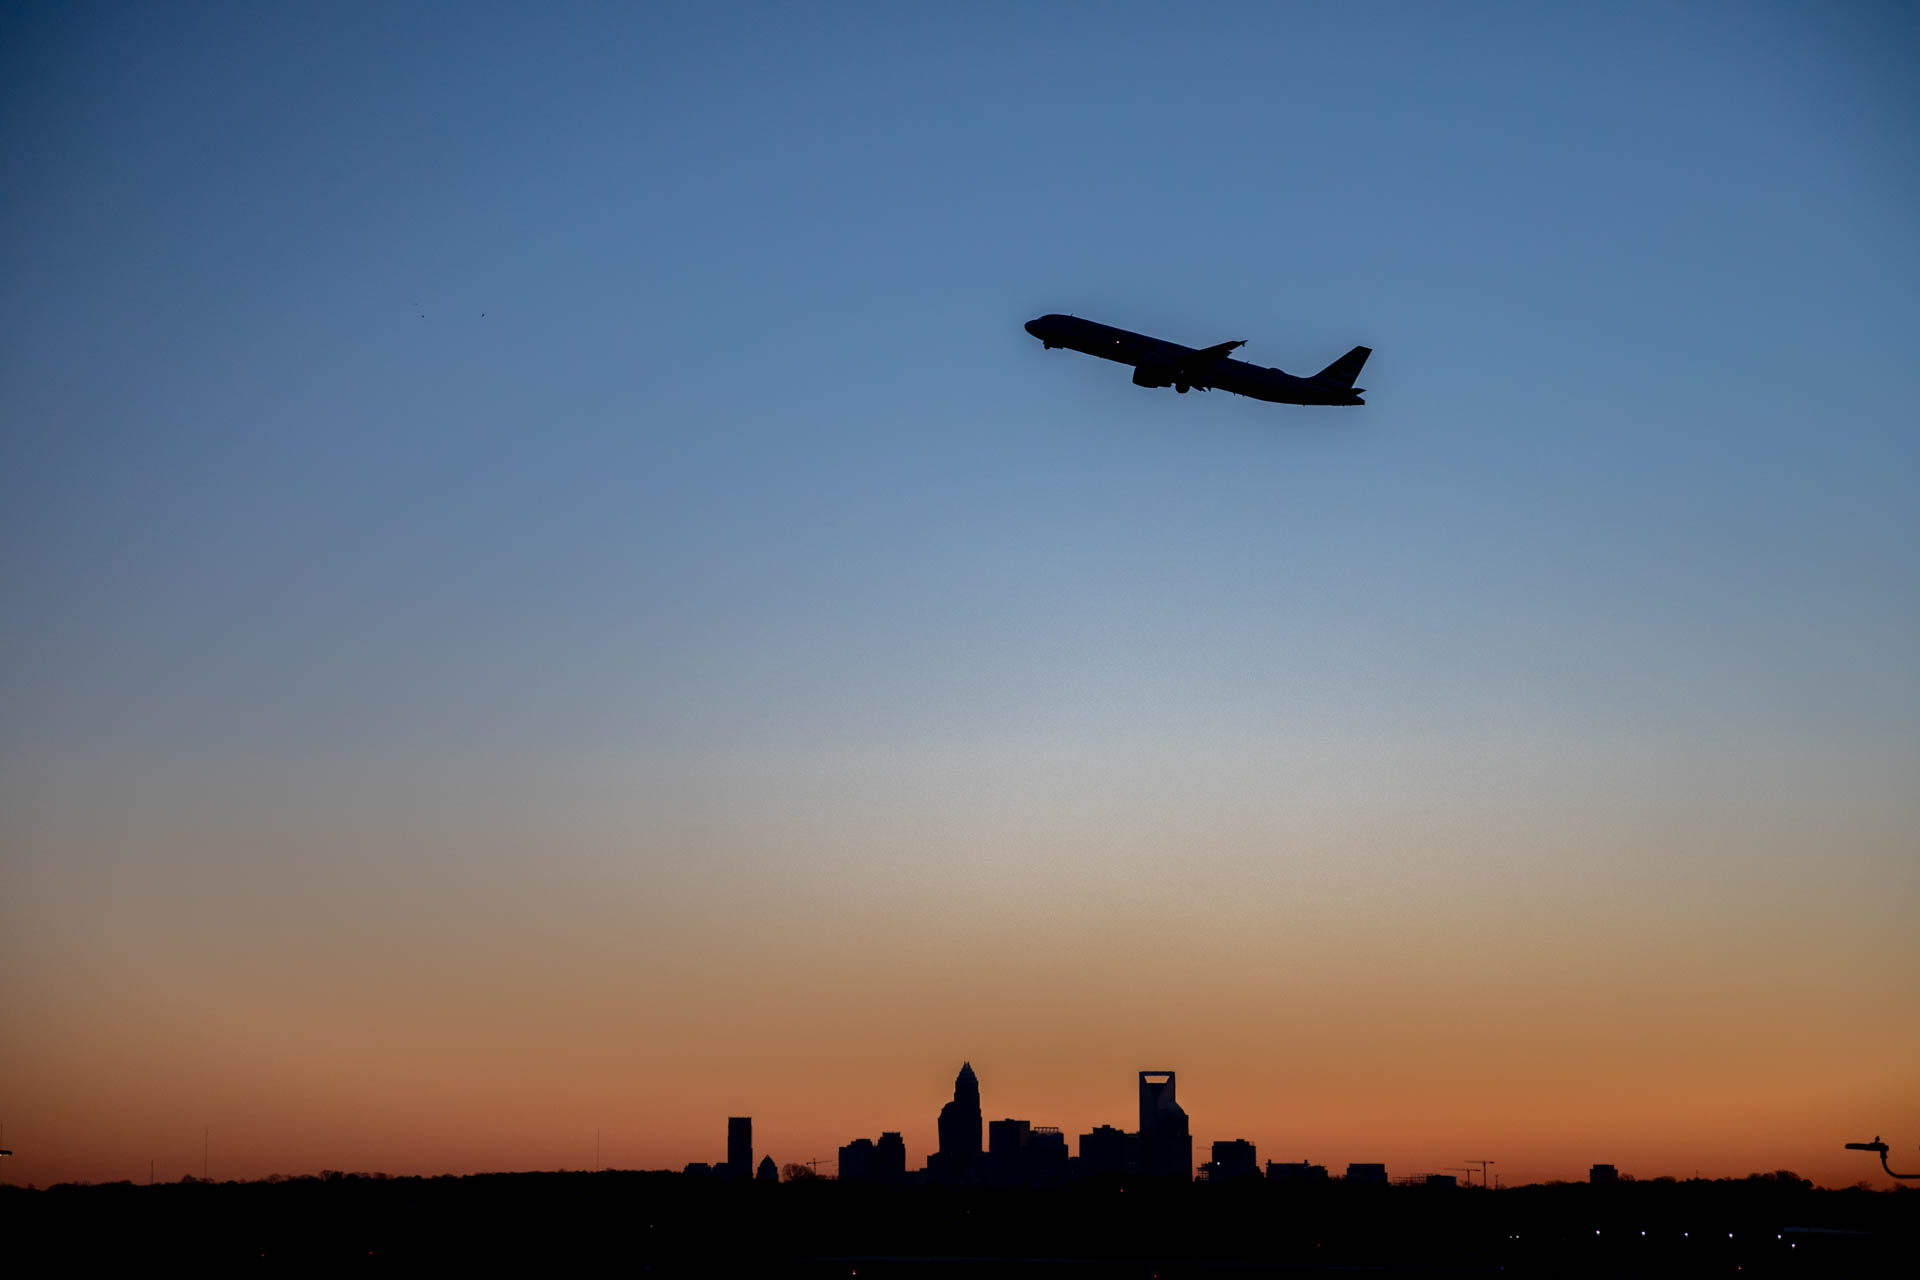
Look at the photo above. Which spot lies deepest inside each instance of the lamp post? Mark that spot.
(1878, 1146)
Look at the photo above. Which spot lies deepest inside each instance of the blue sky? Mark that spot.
(749, 434)
(494, 392)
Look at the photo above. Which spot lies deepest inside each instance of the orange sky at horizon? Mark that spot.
(375, 1116)
(1418, 989)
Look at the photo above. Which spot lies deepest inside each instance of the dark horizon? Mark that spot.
(666, 1223)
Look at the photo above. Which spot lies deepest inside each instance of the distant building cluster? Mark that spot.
(738, 1166)
(1020, 1153)
(1373, 1175)
(1278, 1171)
(865, 1160)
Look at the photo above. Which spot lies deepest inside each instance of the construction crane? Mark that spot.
(1483, 1170)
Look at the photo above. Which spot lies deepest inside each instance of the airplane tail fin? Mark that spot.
(1343, 371)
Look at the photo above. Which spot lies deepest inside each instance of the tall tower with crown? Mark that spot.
(960, 1126)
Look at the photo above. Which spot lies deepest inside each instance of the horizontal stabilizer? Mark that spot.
(1343, 371)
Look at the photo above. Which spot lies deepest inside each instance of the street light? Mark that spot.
(1881, 1148)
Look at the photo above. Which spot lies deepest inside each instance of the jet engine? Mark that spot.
(1147, 376)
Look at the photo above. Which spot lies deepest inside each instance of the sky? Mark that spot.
(548, 593)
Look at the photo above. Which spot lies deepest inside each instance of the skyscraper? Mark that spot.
(890, 1158)
(1105, 1150)
(740, 1147)
(1006, 1151)
(959, 1155)
(856, 1161)
(1166, 1147)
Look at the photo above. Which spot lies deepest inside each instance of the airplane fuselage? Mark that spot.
(1158, 363)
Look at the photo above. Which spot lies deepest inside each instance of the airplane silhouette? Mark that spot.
(1158, 363)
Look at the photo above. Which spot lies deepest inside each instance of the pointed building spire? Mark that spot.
(960, 1127)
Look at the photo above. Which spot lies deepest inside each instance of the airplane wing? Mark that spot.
(1193, 366)
(1208, 355)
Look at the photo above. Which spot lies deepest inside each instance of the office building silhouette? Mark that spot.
(864, 1160)
(1006, 1151)
(958, 1158)
(740, 1147)
(890, 1158)
(1106, 1150)
(1046, 1161)
(1300, 1171)
(1231, 1159)
(856, 1161)
(1005, 1138)
(1021, 1154)
(1166, 1147)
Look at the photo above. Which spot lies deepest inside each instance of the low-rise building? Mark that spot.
(1235, 1158)
(1300, 1171)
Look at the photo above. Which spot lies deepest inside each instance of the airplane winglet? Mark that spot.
(1208, 355)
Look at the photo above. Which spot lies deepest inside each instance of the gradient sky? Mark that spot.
(546, 589)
